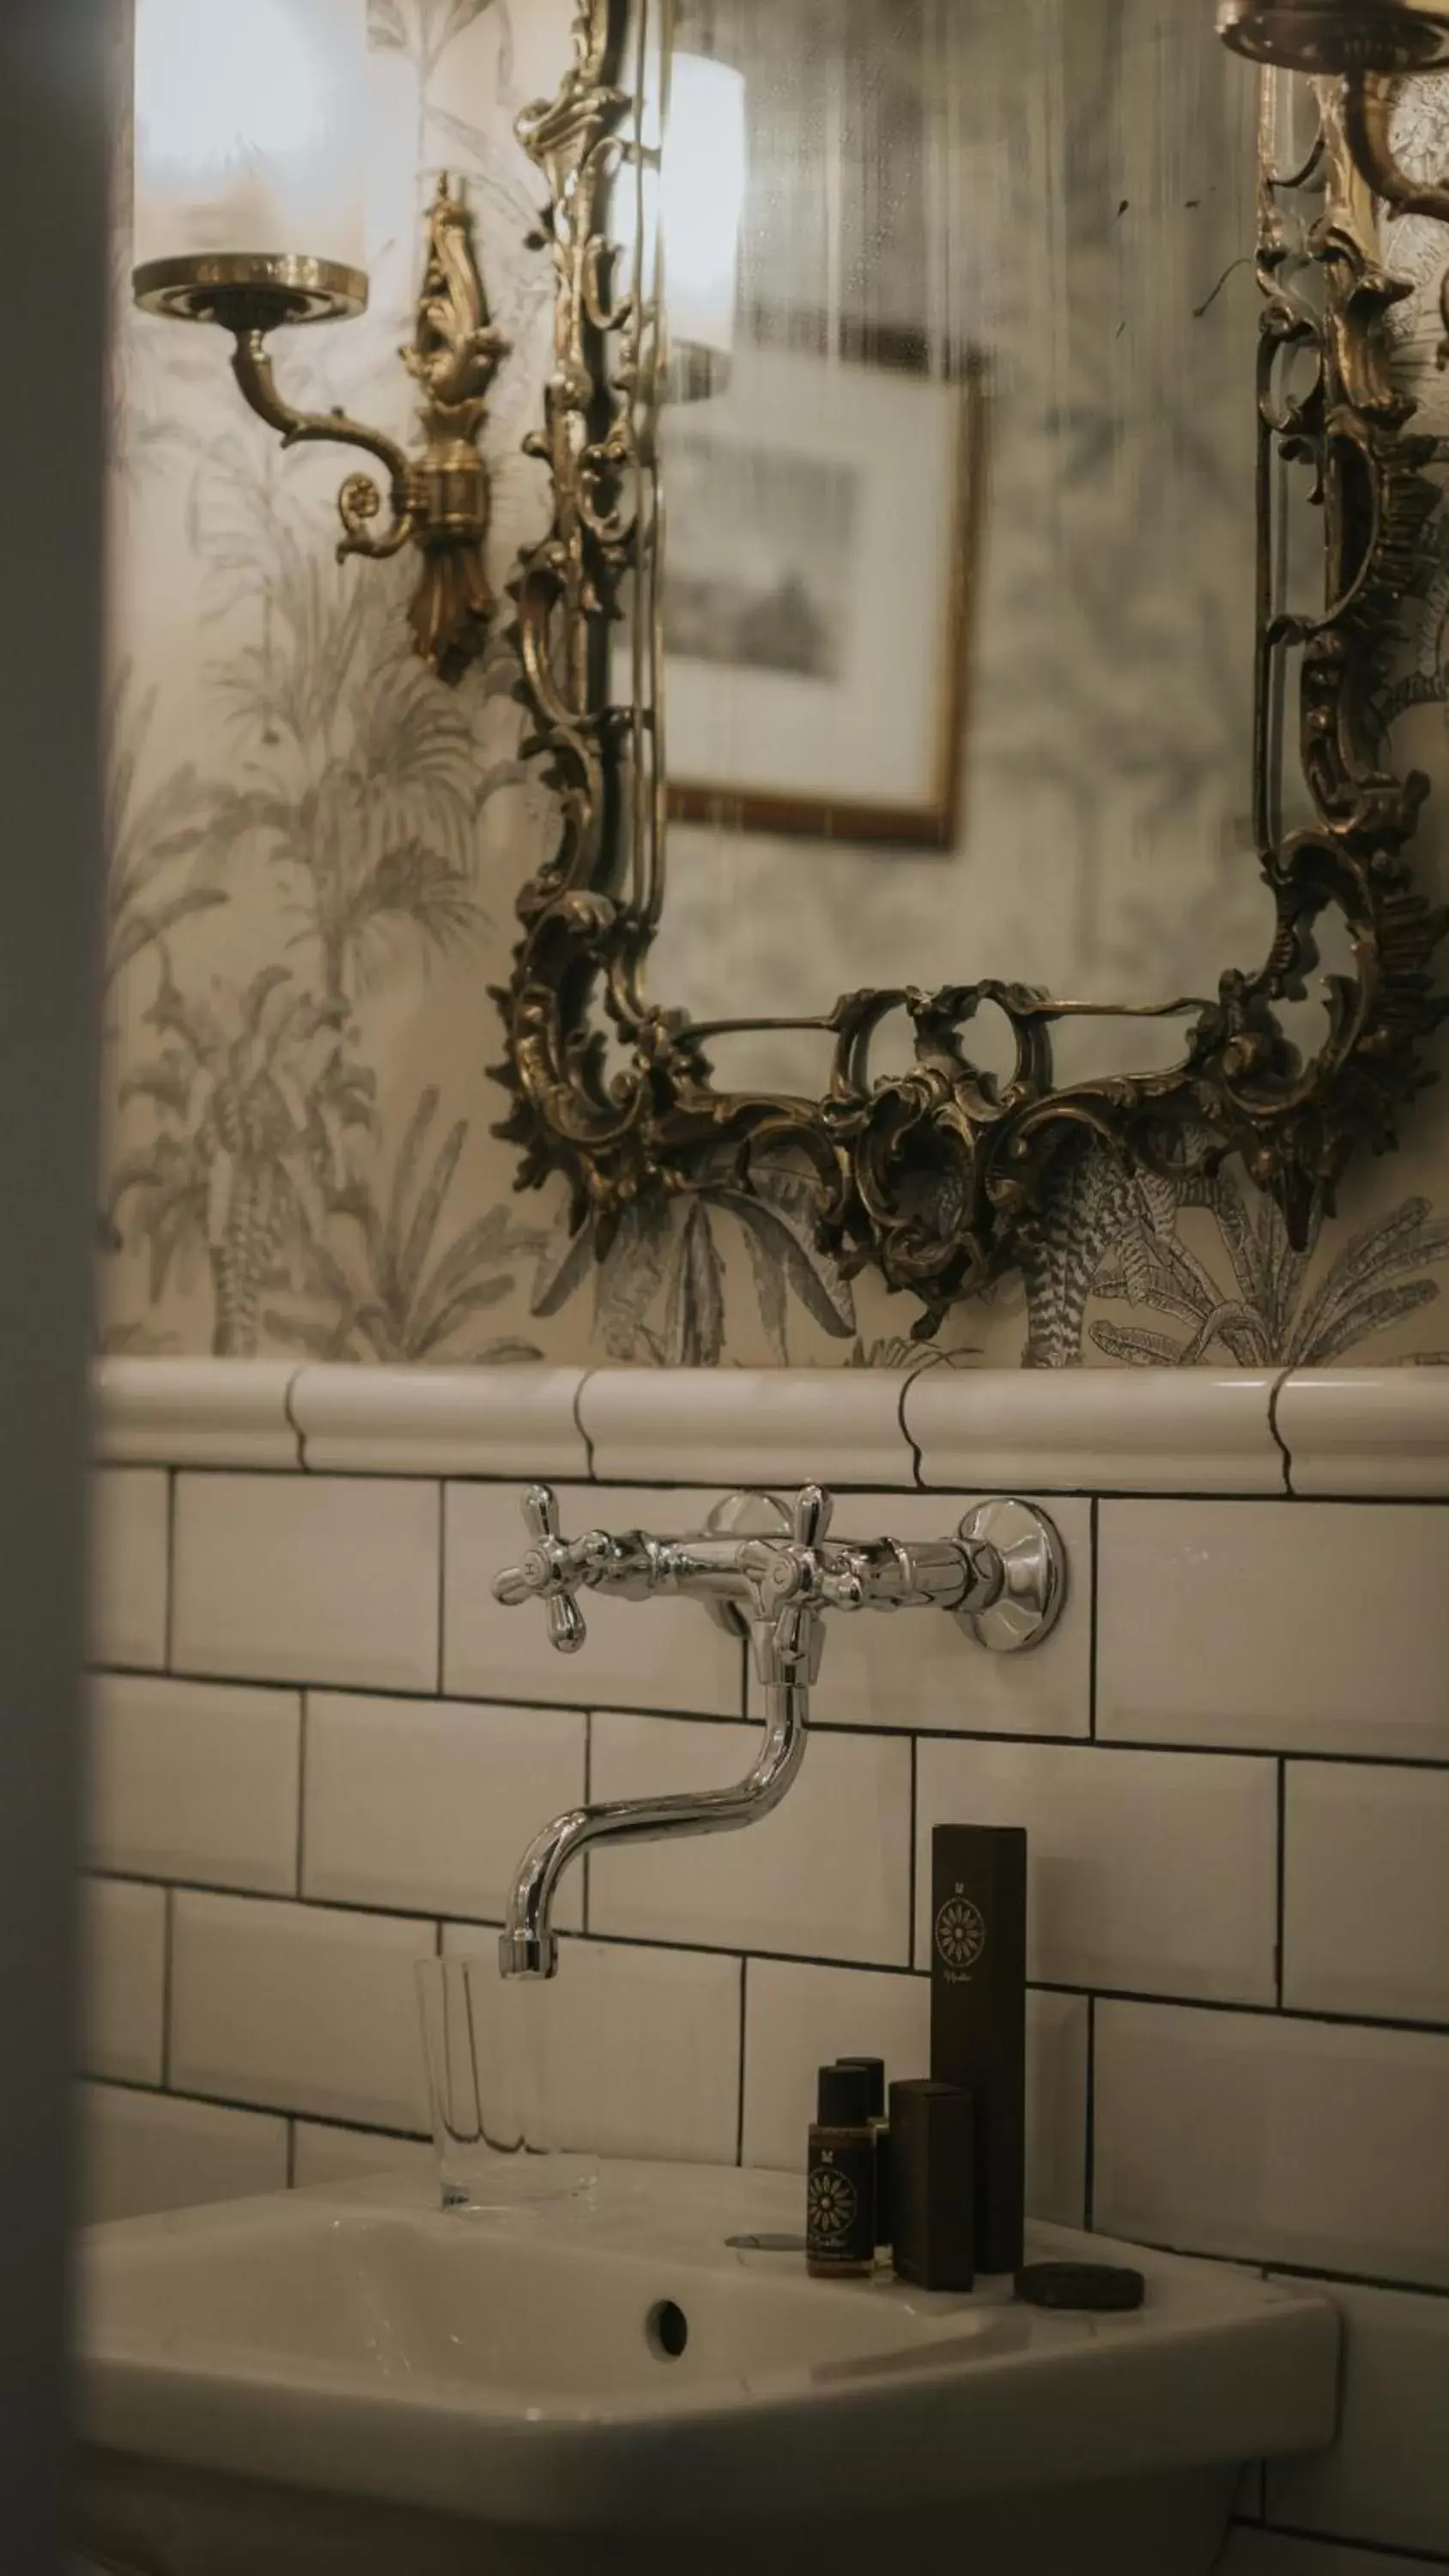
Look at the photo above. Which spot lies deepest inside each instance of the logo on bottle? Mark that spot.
(833, 2206)
(960, 1935)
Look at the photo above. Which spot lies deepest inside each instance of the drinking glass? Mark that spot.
(503, 2138)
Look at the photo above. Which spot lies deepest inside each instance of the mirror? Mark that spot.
(958, 583)
(984, 490)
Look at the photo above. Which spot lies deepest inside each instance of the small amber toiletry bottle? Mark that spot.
(875, 2068)
(840, 2179)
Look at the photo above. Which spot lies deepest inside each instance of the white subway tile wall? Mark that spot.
(423, 1806)
(1388, 2474)
(145, 2152)
(675, 1659)
(640, 2048)
(320, 1746)
(1366, 1896)
(308, 1578)
(194, 1781)
(827, 1875)
(301, 2007)
(1150, 1873)
(921, 1681)
(124, 1948)
(324, 2154)
(1257, 1623)
(1275, 2139)
(130, 1544)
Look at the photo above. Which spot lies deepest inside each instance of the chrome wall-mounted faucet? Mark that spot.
(770, 1573)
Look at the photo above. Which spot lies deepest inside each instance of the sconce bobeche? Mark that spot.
(1338, 35)
(439, 498)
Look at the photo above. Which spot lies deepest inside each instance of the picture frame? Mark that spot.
(813, 507)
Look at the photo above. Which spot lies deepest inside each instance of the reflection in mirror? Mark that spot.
(958, 589)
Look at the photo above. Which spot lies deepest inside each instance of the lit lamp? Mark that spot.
(250, 212)
(702, 182)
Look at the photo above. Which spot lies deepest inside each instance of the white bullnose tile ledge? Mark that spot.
(440, 1422)
(193, 1413)
(765, 1427)
(1101, 1431)
(1367, 1431)
(1347, 1432)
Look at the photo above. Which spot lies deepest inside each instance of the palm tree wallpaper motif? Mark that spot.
(399, 1287)
(315, 854)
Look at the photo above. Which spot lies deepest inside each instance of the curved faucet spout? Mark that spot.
(528, 1947)
(774, 1573)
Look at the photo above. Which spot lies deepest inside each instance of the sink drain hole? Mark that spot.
(666, 2330)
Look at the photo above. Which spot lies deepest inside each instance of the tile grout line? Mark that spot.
(407, 1696)
(914, 1864)
(1397, 2552)
(588, 1874)
(744, 2034)
(304, 1715)
(1276, 1392)
(168, 1979)
(1094, 1568)
(1228, 2007)
(168, 1647)
(1322, 2275)
(1306, 2273)
(257, 2110)
(916, 1456)
(1089, 2141)
(288, 1407)
(1279, 1957)
(508, 1480)
(442, 1662)
(585, 1382)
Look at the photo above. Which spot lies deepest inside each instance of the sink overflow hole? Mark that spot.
(666, 2330)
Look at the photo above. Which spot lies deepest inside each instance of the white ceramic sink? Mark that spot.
(353, 2381)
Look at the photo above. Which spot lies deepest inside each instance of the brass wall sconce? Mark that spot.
(249, 214)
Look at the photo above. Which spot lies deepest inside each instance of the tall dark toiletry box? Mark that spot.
(978, 2015)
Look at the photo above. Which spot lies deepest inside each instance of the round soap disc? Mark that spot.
(1100, 2288)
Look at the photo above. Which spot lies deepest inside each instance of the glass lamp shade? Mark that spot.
(1338, 35)
(703, 180)
(250, 156)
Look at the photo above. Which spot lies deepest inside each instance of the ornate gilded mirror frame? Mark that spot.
(938, 1175)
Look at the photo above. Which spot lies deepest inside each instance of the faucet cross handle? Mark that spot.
(786, 1571)
(793, 1581)
(554, 1571)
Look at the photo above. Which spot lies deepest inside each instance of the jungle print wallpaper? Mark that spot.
(315, 853)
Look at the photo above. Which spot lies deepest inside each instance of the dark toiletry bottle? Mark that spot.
(874, 2068)
(978, 2016)
(931, 2151)
(840, 2179)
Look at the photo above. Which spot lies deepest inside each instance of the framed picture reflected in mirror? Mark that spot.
(817, 594)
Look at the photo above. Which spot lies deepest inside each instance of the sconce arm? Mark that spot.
(359, 502)
(1368, 108)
